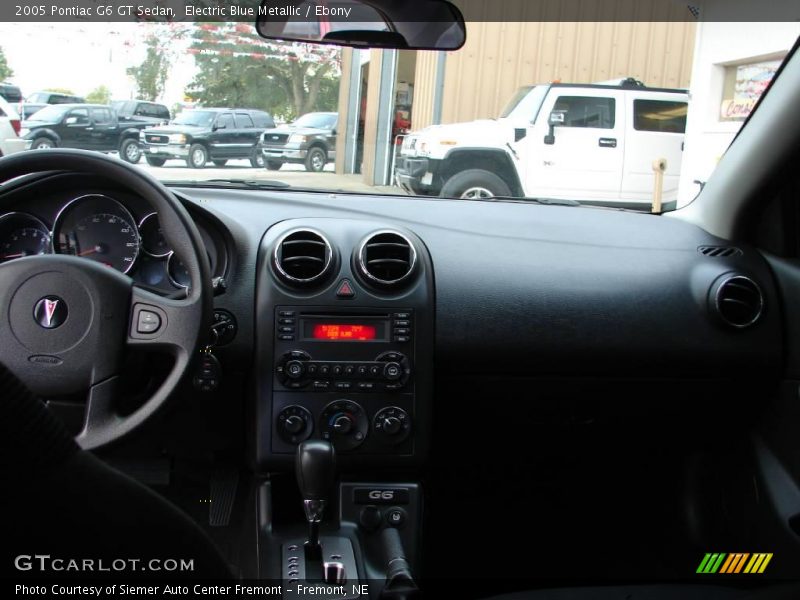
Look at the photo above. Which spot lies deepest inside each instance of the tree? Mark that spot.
(5, 70)
(99, 95)
(238, 68)
(151, 75)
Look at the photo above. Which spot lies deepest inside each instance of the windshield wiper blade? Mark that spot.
(254, 184)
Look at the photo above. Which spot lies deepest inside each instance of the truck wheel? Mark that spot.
(316, 159)
(130, 151)
(220, 163)
(42, 143)
(155, 162)
(198, 156)
(257, 159)
(475, 184)
(274, 165)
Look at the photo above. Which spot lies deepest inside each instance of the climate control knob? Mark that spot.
(392, 425)
(345, 424)
(294, 424)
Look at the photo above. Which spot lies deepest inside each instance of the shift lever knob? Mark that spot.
(315, 466)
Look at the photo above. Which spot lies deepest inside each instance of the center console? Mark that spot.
(344, 358)
(344, 348)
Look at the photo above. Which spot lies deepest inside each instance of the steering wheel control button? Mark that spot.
(294, 424)
(395, 517)
(345, 289)
(392, 425)
(344, 423)
(50, 312)
(148, 322)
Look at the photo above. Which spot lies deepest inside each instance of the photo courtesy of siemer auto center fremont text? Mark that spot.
(400, 299)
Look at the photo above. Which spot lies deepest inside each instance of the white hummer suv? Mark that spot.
(584, 142)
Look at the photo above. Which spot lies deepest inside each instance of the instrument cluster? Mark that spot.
(101, 228)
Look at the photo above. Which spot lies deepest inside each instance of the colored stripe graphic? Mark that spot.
(736, 562)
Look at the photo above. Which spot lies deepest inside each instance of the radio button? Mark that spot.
(374, 370)
(286, 313)
(402, 323)
(337, 370)
(362, 370)
(392, 371)
(286, 338)
(402, 331)
(349, 369)
(366, 386)
(343, 385)
(324, 369)
(321, 385)
(295, 369)
(402, 339)
(402, 315)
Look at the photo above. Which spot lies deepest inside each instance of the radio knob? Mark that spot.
(295, 369)
(343, 425)
(294, 424)
(392, 425)
(392, 371)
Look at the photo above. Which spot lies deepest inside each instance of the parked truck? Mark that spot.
(594, 143)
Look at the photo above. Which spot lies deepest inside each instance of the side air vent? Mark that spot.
(386, 259)
(739, 301)
(302, 257)
(719, 251)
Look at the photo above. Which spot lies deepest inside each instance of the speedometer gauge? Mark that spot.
(98, 228)
(22, 235)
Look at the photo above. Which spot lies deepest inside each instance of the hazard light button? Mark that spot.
(345, 289)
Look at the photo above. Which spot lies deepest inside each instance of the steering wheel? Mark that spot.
(65, 321)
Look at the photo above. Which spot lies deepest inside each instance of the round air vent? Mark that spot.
(739, 301)
(302, 257)
(386, 259)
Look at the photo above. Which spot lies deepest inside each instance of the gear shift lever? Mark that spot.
(315, 467)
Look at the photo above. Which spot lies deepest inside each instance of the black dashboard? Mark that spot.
(329, 289)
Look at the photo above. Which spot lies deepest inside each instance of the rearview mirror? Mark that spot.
(418, 25)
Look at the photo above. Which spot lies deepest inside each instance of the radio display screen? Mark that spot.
(344, 330)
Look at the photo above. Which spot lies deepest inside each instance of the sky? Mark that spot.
(83, 56)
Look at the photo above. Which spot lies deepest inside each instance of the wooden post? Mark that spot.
(659, 167)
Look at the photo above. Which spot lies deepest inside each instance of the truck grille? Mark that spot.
(274, 139)
(156, 139)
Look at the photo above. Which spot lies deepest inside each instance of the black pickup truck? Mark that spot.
(85, 126)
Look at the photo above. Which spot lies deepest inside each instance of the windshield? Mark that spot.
(196, 118)
(538, 110)
(49, 113)
(316, 121)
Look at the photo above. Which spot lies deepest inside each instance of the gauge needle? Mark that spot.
(88, 252)
(17, 255)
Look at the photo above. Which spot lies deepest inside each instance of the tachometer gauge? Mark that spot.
(98, 228)
(22, 235)
(153, 241)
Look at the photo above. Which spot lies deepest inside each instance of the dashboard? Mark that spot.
(367, 320)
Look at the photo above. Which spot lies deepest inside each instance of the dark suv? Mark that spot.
(10, 92)
(141, 111)
(309, 141)
(85, 126)
(207, 134)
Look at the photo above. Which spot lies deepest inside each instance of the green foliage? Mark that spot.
(100, 95)
(151, 75)
(5, 70)
(236, 68)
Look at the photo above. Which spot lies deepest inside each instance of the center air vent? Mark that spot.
(302, 257)
(739, 301)
(719, 251)
(386, 259)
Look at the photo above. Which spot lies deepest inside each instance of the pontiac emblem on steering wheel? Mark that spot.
(50, 312)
